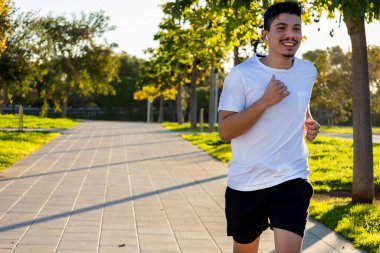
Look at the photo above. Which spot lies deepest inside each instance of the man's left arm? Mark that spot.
(312, 126)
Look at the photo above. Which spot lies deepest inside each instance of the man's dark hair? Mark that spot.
(291, 7)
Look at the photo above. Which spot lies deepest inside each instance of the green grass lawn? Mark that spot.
(186, 127)
(330, 161)
(12, 121)
(358, 222)
(16, 145)
(345, 130)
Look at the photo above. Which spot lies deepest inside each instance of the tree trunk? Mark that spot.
(148, 105)
(211, 109)
(3, 98)
(363, 179)
(151, 112)
(193, 97)
(236, 55)
(179, 105)
(172, 110)
(64, 106)
(161, 110)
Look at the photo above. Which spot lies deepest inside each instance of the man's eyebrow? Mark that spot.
(285, 24)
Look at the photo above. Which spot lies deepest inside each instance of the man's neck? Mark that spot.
(281, 62)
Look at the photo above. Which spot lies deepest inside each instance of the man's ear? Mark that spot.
(264, 33)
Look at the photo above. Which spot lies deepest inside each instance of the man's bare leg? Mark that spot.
(286, 241)
(252, 247)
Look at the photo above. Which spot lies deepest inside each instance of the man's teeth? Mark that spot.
(288, 44)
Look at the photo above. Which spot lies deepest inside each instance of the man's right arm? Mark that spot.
(234, 124)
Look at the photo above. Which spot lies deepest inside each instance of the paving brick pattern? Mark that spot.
(124, 187)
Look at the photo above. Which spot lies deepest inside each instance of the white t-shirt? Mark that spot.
(273, 150)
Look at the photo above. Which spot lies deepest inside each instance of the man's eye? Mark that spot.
(280, 28)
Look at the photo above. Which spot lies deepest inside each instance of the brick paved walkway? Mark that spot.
(123, 187)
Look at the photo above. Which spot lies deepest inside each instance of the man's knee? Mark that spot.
(252, 247)
(286, 241)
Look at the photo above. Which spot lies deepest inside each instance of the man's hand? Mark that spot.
(275, 92)
(312, 129)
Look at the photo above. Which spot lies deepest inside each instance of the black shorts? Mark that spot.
(283, 206)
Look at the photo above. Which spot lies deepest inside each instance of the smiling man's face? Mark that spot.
(285, 35)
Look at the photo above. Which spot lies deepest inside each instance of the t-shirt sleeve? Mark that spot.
(233, 93)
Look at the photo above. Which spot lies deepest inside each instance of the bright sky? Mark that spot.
(137, 21)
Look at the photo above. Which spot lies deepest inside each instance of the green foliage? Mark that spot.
(242, 24)
(79, 65)
(331, 98)
(370, 9)
(357, 222)
(331, 101)
(20, 63)
(128, 74)
(4, 23)
(56, 60)
(12, 121)
(374, 82)
(16, 145)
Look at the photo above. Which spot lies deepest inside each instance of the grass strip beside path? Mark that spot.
(330, 160)
(345, 130)
(16, 145)
(12, 121)
(173, 126)
(358, 222)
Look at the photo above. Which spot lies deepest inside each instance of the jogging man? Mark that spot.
(264, 112)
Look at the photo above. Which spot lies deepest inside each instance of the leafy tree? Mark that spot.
(193, 46)
(150, 82)
(80, 66)
(355, 13)
(174, 38)
(209, 20)
(21, 63)
(173, 58)
(124, 88)
(242, 25)
(332, 91)
(196, 53)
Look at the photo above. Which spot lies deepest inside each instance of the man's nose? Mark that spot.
(291, 33)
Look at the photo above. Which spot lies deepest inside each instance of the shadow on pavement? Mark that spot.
(107, 204)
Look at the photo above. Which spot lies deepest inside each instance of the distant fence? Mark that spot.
(93, 113)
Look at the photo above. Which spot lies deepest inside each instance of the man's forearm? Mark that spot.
(236, 124)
